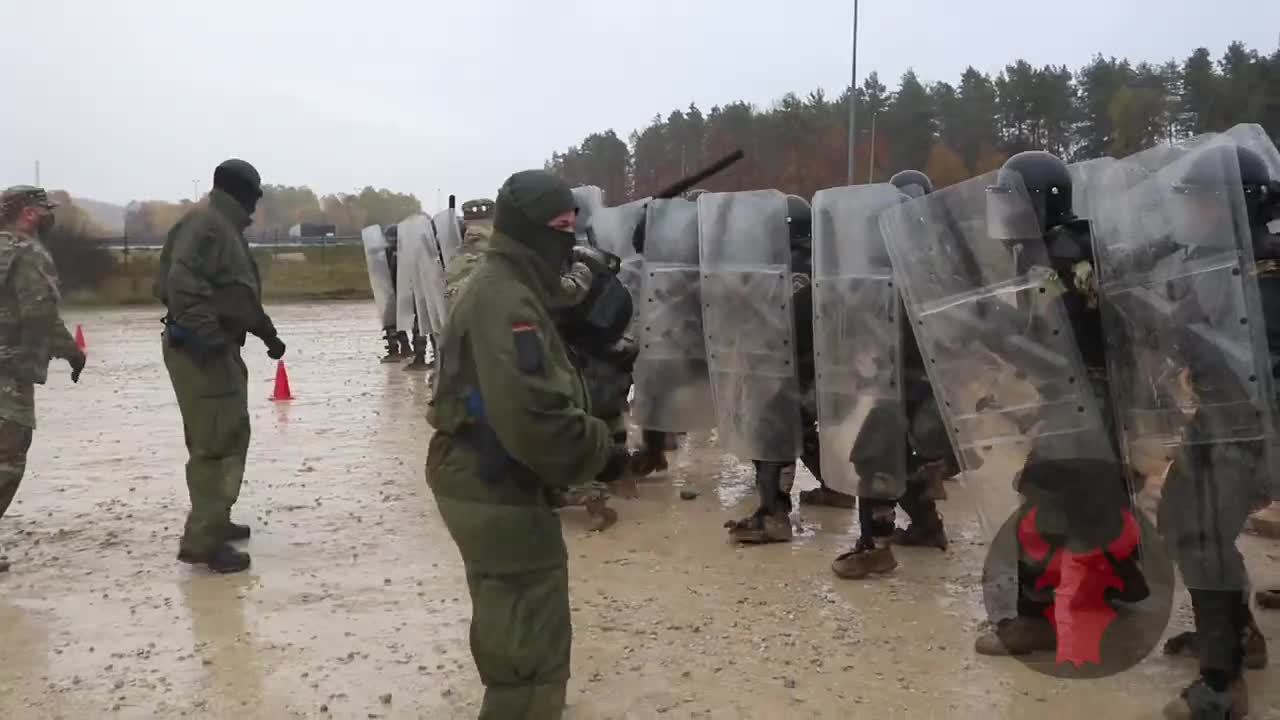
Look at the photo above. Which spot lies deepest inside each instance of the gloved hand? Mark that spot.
(76, 362)
(275, 347)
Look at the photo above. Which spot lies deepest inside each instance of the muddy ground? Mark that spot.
(356, 606)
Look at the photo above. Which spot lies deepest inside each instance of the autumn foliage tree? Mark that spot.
(1109, 107)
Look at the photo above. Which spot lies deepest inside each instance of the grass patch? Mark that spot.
(288, 273)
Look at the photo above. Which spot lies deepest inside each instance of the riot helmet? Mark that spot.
(1212, 173)
(799, 218)
(1043, 179)
(912, 183)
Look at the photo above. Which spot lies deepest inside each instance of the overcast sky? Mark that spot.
(134, 99)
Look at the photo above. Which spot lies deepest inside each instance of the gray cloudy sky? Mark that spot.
(133, 99)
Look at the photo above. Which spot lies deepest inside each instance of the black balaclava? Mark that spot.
(529, 200)
(241, 181)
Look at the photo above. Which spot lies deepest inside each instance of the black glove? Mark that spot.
(76, 362)
(275, 347)
(619, 459)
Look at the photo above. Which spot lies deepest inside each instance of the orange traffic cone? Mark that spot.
(80, 338)
(281, 391)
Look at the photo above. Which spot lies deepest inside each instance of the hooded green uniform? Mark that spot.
(209, 281)
(513, 424)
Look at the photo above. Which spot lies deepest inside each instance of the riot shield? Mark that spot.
(857, 344)
(996, 340)
(1191, 374)
(1084, 184)
(672, 386)
(1254, 137)
(589, 199)
(748, 323)
(406, 264)
(375, 258)
(448, 234)
(428, 274)
(613, 230)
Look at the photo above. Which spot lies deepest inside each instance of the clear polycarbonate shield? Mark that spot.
(857, 344)
(448, 234)
(672, 383)
(428, 274)
(1084, 184)
(1190, 370)
(996, 341)
(589, 200)
(613, 229)
(748, 323)
(375, 257)
(406, 261)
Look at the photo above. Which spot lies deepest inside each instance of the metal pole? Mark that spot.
(195, 191)
(871, 164)
(853, 96)
(37, 173)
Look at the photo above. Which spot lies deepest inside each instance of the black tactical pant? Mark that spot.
(774, 480)
(1207, 497)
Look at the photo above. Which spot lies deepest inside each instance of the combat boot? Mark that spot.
(917, 535)
(602, 517)
(761, 528)
(222, 559)
(825, 496)
(649, 460)
(236, 531)
(864, 561)
(1021, 635)
(1201, 702)
(1255, 646)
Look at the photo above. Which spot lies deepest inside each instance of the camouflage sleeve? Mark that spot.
(35, 283)
(574, 285)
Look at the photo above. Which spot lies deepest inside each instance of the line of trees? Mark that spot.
(283, 206)
(1109, 107)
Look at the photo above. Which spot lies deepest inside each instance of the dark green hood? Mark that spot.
(527, 201)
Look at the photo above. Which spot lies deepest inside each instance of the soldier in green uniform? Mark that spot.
(209, 282)
(31, 330)
(513, 423)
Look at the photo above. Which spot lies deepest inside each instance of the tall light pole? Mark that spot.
(853, 93)
(195, 191)
(871, 163)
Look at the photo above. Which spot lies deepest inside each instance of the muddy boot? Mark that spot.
(236, 531)
(393, 347)
(1018, 636)
(648, 461)
(419, 351)
(602, 516)
(223, 559)
(761, 528)
(918, 536)
(1269, 599)
(864, 561)
(825, 496)
(1201, 702)
(1187, 644)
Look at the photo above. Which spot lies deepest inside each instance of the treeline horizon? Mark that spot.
(1109, 107)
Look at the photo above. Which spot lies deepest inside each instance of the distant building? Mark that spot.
(312, 230)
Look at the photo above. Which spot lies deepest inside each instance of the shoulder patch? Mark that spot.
(528, 347)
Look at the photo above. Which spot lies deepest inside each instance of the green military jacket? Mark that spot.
(31, 329)
(208, 278)
(503, 365)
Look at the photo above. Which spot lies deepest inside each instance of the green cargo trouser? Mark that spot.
(15, 440)
(214, 400)
(521, 633)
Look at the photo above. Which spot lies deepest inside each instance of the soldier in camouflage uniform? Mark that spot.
(477, 216)
(31, 330)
